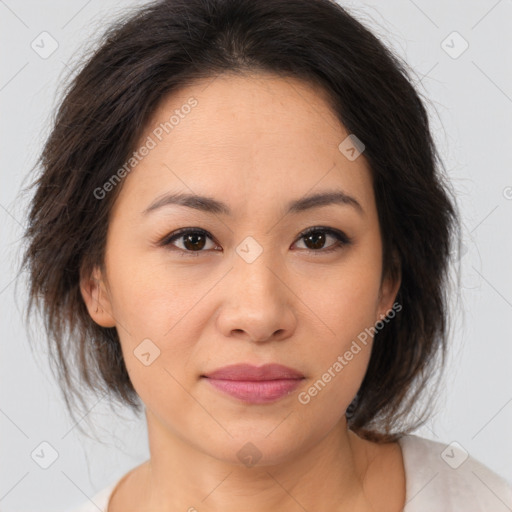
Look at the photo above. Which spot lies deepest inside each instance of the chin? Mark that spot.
(257, 448)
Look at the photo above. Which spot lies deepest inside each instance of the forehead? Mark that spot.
(246, 112)
(246, 138)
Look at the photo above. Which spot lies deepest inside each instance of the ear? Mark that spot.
(96, 298)
(389, 287)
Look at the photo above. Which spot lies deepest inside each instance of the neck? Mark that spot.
(327, 475)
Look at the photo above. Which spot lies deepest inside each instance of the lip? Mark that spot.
(255, 384)
(249, 372)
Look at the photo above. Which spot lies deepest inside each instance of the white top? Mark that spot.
(437, 477)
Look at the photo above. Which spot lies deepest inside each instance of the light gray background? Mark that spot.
(471, 105)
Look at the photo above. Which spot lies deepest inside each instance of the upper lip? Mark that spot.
(248, 372)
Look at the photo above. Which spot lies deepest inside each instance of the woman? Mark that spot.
(242, 222)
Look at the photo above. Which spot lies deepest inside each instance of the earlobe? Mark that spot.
(96, 299)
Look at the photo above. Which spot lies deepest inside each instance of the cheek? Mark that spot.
(153, 308)
(160, 351)
(340, 367)
(347, 307)
(150, 295)
(348, 304)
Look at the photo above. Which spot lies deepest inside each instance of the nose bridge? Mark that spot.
(256, 303)
(255, 264)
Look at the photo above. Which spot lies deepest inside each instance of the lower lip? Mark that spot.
(256, 392)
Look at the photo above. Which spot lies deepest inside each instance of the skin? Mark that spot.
(254, 142)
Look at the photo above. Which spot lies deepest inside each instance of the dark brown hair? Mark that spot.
(167, 45)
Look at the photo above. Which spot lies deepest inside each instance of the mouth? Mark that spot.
(255, 384)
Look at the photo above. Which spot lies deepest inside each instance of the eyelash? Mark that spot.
(342, 239)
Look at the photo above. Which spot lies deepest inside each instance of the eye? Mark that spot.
(194, 240)
(315, 238)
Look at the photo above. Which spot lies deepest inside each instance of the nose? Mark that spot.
(257, 304)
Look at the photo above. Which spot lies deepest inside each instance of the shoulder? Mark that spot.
(444, 477)
(99, 502)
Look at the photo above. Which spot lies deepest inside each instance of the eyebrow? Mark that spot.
(211, 205)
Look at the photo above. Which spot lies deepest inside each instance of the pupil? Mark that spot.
(193, 239)
(318, 239)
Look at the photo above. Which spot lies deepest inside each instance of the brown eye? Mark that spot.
(192, 240)
(315, 239)
(195, 240)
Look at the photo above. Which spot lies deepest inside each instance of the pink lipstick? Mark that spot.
(255, 384)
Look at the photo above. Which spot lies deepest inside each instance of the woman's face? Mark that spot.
(248, 288)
